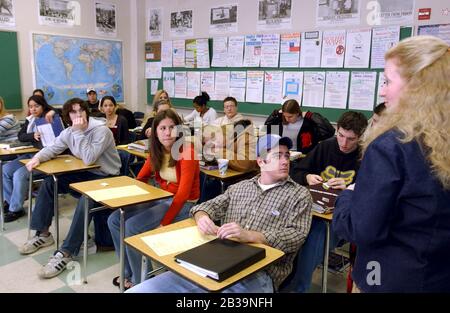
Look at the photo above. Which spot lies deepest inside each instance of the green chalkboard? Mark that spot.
(264, 109)
(9, 71)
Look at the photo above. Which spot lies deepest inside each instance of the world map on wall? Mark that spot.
(66, 66)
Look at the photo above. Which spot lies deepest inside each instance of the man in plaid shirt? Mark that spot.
(270, 209)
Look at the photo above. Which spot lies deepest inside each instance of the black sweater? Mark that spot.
(328, 161)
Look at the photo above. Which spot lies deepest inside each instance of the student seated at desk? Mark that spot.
(237, 143)
(91, 141)
(9, 126)
(158, 106)
(270, 209)
(398, 214)
(115, 122)
(231, 114)
(305, 129)
(176, 171)
(201, 111)
(15, 175)
(334, 161)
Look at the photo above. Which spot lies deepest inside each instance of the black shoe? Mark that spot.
(5, 207)
(12, 216)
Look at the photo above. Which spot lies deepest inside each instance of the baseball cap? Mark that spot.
(90, 90)
(270, 141)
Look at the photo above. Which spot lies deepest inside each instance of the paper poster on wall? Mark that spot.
(384, 12)
(235, 51)
(238, 81)
(169, 83)
(193, 84)
(153, 51)
(154, 86)
(220, 52)
(166, 53)
(181, 24)
(155, 24)
(441, 31)
(290, 50)
(223, 19)
(255, 84)
(207, 82)
(273, 86)
(333, 48)
(153, 70)
(274, 14)
(383, 38)
(270, 50)
(178, 55)
(338, 12)
(252, 52)
(59, 13)
(311, 43)
(202, 53)
(357, 54)
(313, 89)
(222, 85)
(180, 84)
(292, 86)
(381, 83)
(7, 14)
(362, 91)
(336, 90)
(191, 53)
(105, 19)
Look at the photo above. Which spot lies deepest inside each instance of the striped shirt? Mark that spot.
(282, 214)
(9, 128)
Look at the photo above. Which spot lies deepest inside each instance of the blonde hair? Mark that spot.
(155, 105)
(2, 107)
(423, 111)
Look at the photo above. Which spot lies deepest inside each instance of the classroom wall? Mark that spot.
(128, 16)
(304, 17)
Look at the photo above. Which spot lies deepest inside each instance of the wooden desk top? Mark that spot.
(17, 152)
(209, 284)
(143, 155)
(229, 174)
(328, 217)
(121, 181)
(62, 164)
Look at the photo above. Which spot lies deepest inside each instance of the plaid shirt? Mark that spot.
(282, 214)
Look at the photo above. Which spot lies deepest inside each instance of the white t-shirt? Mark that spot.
(208, 118)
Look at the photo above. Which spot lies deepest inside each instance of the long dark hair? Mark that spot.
(156, 147)
(67, 108)
(42, 102)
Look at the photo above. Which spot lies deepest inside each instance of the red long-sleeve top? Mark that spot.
(187, 186)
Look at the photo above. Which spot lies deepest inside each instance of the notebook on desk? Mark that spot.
(220, 258)
(324, 199)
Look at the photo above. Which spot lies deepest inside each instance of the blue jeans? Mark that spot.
(259, 282)
(139, 219)
(309, 257)
(41, 219)
(15, 183)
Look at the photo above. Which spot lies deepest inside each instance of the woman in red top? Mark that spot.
(175, 170)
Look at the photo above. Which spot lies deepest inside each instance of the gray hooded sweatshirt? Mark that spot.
(95, 145)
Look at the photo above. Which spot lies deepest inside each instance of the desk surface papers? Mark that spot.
(176, 240)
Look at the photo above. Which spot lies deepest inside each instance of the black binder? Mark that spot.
(220, 258)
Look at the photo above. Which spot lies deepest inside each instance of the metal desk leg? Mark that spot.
(55, 208)
(122, 249)
(30, 202)
(326, 253)
(85, 244)
(143, 268)
(2, 228)
(222, 185)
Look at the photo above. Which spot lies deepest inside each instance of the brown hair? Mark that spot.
(292, 107)
(67, 108)
(354, 121)
(156, 148)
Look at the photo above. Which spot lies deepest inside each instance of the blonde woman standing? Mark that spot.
(399, 212)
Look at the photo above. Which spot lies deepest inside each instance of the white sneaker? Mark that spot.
(92, 248)
(56, 264)
(35, 243)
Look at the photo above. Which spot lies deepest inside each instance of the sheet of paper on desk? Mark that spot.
(176, 240)
(116, 192)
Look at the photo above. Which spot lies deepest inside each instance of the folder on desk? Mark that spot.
(220, 258)
(324, 199)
